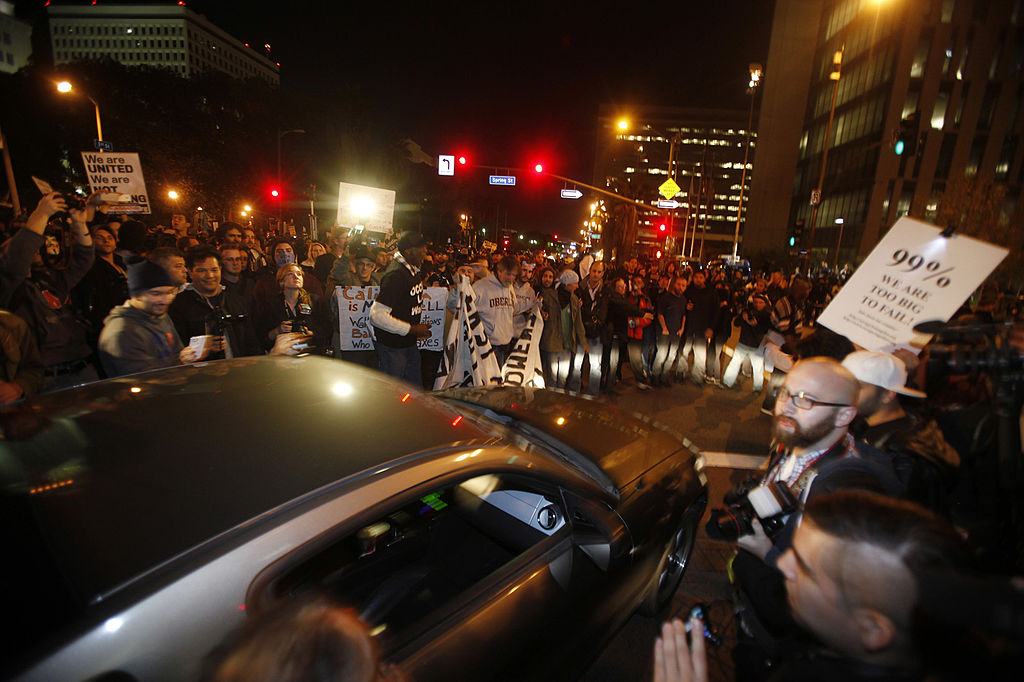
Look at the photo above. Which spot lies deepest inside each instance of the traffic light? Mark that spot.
(538, 168)
(275, 193)
(662, 228)
(462, 159)
(904, 138)
(796, 236)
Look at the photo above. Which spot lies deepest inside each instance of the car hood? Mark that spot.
(621, 444)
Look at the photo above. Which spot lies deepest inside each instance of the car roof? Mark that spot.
(127, 473)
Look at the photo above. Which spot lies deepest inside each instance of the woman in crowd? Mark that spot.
(293, 308)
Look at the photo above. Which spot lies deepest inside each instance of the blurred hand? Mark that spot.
(420, 331)
(9, 392)
(51, 203)
(757, 543)
(188, 354)
(85, 215)
(285, 343)
(674, 661)
(648, 316)
(216, 343)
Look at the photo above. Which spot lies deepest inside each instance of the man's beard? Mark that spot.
(799, 437)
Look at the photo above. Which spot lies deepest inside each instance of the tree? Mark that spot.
(977, 207)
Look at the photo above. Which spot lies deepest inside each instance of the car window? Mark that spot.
(409, 563)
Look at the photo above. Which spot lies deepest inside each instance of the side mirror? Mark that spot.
(598, 532)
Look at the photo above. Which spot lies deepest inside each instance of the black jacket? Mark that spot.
(595, 311)
(317, 320)
(194, 315)
(401, 291)
(704, 313)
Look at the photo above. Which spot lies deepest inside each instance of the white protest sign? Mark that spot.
(371, 207)
(432, 315)
(468, 359)
(523, 366)
(354, 316)
(913, 275)
(118, 172)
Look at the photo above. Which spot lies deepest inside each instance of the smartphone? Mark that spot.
(699, 611)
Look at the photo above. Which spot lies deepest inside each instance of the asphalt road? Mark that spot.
(729, 427)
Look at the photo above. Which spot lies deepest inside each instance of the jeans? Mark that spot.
(637, 361)
(715, 347)
(575, 380)
(613, 352)
(700, 356)
(402, 363)
(557, 366)
(668, 350)
(739, 354)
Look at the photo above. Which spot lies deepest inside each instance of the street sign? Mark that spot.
(815, 197)
(668, 203)
(502, 180)
(571, 194)
(102, 146)
(668, 189)
(445, 165)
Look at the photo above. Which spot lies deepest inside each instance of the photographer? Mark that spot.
(41, 292)
(205, 307)
(753, 322)
(813, 454)
(294, 309)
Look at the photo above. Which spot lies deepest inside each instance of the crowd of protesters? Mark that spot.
(84, 295)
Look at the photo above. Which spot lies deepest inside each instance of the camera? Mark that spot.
(770, 503)
(302, 313)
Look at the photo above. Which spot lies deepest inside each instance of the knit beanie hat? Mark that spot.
(147, 275)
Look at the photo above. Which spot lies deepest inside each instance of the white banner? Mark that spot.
(523, 366)
(468, 358)
(434, 299)
(118, 172)
(354, 316)
(913, 275)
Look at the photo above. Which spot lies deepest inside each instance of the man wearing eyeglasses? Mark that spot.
(813, 453)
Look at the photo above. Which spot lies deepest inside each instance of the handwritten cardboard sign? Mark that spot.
(432, 315)
(354, 316)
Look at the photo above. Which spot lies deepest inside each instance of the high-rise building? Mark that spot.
(15, 39)
(707, 148)
(942, 76)
(169, 36)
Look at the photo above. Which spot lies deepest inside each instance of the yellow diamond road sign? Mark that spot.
(669, 188)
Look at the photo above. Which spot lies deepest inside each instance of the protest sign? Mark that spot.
(523, 366)
(371, 208)
(913, 275)
(434, 299)
(354, 316)
(118, 172)
(468, 359)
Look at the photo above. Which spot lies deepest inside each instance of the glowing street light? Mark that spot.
(65, 87)
(247, 208)
(172, 195)
(623, 124)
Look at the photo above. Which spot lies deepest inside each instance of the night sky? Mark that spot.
(509, 81)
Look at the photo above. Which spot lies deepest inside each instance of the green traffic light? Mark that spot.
(792, 241)
(898, 148)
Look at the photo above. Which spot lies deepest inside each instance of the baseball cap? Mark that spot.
(880, 369)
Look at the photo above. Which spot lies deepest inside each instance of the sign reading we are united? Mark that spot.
(118, 172)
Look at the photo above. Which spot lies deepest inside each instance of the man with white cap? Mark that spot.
(923, 459)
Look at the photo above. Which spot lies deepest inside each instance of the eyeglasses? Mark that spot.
(802, 400)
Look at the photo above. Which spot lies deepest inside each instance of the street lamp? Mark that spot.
(172, 195)
(623, 124)
(756, 71)
(64, 87)
(841, 222)
(837, 65)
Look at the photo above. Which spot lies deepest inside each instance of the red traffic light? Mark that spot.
(461, 159)
(555, 236)
(538, 167)
(662, 228)
(506, 242)
(275, 192)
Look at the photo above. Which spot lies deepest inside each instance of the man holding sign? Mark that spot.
(395, 314)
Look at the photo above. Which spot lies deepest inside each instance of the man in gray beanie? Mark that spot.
(138, 335)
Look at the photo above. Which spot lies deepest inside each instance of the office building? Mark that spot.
(170, 36)
(707, 147)
(942, 75)
(15, 39)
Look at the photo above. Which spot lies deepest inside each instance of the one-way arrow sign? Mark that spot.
(571, 194)
(668, 203)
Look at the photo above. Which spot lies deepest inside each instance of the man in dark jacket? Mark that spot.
(593, 297)
(395, 314)
(42, 297)
(205, 307)
(701, 317)
(923, 460)
(753, 322)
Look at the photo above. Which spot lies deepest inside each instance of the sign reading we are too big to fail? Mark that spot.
(118, 172)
